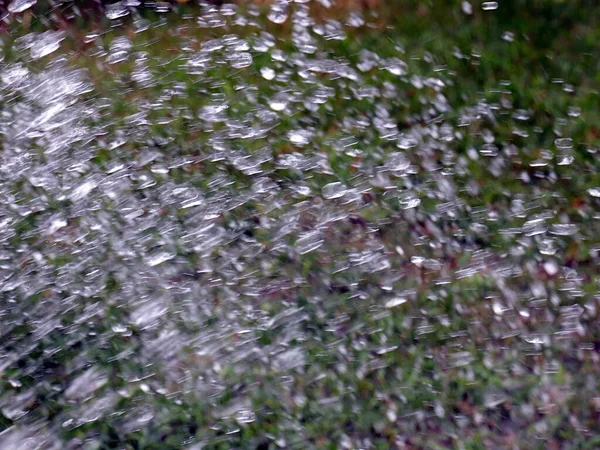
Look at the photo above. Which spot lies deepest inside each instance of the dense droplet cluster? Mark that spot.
(264, 224)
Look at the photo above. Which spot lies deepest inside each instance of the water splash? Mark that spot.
(257, 209)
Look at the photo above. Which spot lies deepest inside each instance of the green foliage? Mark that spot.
(439, 371)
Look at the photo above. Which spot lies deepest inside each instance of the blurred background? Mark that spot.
(315, 224)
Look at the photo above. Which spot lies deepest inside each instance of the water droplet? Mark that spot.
(563, 229)
(116, 11)
(508, 36)
(279, 101)
(551, 268)
(18, 6)
(159, 257)
(46, 43)
(407, 142)
(594, 192)
(397, 162)
(299, 137)
(409, 200)
(547, 247)
(493, 399)
(467, 7)
(278, 13)
(244, 416)
(521, 114)
(267, 73)
(333, 190)
(84, 189)
(355, 20)
(534, 227)
(395, 66)
(241, 60)
(489, 6)
(309, 242)
(395, 302)
(564, 143)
